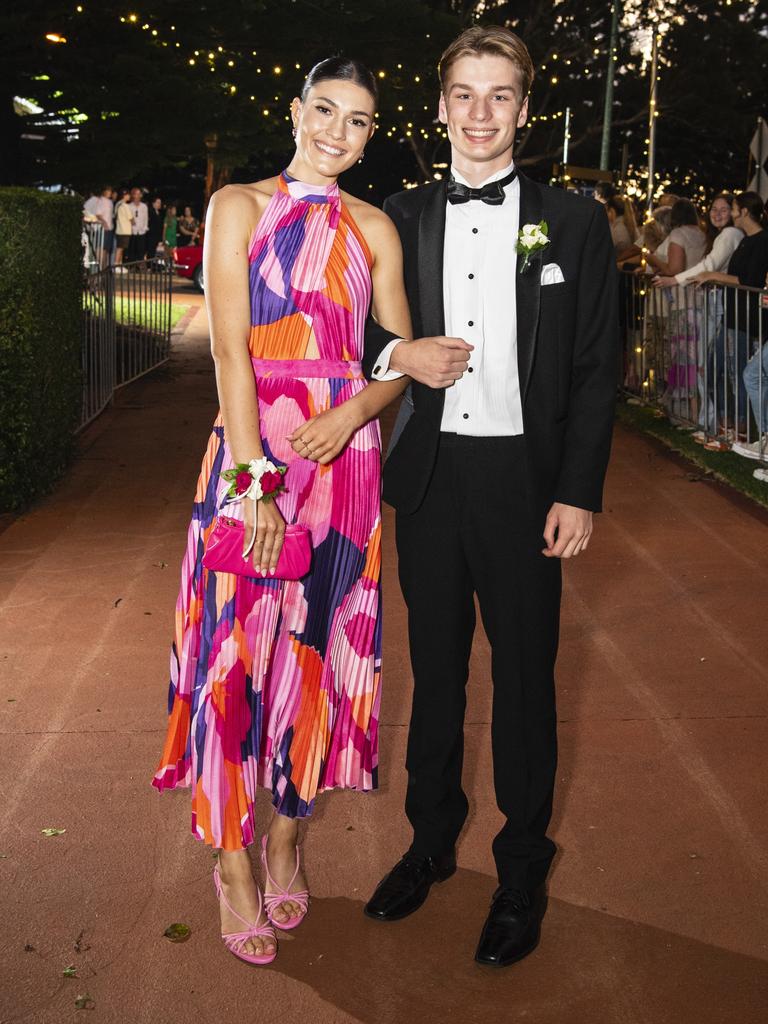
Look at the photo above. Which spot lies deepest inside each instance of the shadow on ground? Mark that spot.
(590, 967)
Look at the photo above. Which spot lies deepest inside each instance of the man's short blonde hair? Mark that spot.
(493, 39)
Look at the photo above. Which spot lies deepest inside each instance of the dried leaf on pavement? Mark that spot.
(52, 831)
(177, 932)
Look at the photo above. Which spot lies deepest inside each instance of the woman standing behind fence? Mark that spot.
(684, 247)
(748, 267)
(722, 241)
(189, 228)
(275, 679)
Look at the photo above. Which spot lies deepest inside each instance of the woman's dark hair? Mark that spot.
(753, 204)
(709, 228)
(334, 68)
(615, 203)
(606, 191)
(683, 214)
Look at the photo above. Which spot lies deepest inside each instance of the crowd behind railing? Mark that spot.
(694, 310)
(121, 227)
(127, 301)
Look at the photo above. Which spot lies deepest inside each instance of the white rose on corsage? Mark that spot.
(531, 238)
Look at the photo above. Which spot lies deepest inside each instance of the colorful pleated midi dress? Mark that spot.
(275, 683)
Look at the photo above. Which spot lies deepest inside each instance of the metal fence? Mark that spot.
(700, 353)
(127, 328)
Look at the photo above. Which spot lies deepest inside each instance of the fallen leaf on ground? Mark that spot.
(80, 946)
(52, 831)
(29, 948)
(177, 932)
(70, 972)
(160, 565)
(117, 602)
(85, 1003)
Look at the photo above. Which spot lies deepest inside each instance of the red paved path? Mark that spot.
(658, 903)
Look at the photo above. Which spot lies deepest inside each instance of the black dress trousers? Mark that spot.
(476, 533)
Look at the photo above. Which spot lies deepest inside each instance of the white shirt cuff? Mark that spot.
(381, 370)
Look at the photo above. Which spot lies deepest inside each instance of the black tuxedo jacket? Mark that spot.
(567, 344)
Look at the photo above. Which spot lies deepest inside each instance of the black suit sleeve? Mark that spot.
(376, 337)
(595, 373)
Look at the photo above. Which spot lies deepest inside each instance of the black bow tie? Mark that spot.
(492, 193)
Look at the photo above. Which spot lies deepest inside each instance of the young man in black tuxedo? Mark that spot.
(495, 468)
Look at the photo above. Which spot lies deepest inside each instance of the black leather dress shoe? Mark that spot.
(513, 926)
(407, 885)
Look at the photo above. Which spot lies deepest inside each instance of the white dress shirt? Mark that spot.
(140, 216)
(479, 298)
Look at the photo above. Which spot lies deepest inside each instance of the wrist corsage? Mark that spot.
(259, 480)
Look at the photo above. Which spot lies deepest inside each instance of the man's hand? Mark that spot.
(437, 362)
(573, 527)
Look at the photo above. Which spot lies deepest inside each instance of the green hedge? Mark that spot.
(41, 283)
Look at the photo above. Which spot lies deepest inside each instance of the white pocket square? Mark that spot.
(551, 274)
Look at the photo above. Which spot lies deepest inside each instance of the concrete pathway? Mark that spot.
(659, 898)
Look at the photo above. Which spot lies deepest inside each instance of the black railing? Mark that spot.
(127, 329)
(699, 353)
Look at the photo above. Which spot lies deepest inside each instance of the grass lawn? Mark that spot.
(725, 466)
(146, 313)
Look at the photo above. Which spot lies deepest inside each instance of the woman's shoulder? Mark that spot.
(244, 196)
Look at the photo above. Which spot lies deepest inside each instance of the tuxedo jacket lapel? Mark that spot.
(430, 275)
(528, 286)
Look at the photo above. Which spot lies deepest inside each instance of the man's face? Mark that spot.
(135, 195)
(482, 107)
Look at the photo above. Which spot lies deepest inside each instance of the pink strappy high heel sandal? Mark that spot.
(234, 941)
(273, 900)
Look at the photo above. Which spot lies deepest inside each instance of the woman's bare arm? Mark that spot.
(231, 214)
(323, 437)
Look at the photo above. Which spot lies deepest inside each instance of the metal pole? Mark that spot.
(566, 137)
(608, 105)
(760, 157)
(652, 118)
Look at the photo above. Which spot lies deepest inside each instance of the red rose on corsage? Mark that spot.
(259, 480)
(271, 482)
(242, 482)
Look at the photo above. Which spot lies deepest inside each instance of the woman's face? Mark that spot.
(157, 203)
(720, 213)
(187, 211)
(333, 126)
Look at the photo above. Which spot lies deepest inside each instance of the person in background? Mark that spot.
(155, 222)
(747, 266)
(684, 247)
(170, 229)
(137, 248)
(756, 383)
(189, 228)
(100, 206)
(621, 218)
(722, 241)
(123, 224)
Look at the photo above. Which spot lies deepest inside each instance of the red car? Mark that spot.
(188, 262)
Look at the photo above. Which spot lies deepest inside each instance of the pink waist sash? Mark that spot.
(307, 368)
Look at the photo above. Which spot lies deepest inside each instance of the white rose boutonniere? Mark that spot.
(531, 238)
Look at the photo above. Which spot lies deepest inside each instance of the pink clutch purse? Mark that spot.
(224, 552)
